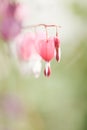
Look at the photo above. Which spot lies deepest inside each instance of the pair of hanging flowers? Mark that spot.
(30, 48)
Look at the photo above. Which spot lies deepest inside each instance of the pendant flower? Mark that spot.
(46, 49)
(33, 47)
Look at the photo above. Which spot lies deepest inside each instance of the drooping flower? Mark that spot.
(24, 49)
(31, 48)
(46, 49)
(27, 46)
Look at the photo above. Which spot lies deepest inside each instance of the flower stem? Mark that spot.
(37, 25)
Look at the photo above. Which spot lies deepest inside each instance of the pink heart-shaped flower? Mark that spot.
(46, 49)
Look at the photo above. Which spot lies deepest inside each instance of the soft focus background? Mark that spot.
(58, 102)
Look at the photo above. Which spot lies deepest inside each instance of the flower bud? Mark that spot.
(56, 42)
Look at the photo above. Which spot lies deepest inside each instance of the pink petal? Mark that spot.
(46, 49)
(27, 46)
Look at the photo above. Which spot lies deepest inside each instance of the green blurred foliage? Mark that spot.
(79, 10)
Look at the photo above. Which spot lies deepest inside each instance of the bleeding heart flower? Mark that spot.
(24, 50)
(32, 48)
(46, 49)
(27, 47)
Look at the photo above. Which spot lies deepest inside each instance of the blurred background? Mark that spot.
(60, 101)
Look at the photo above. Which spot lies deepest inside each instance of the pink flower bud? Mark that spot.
(57, 48)
(56, 42)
